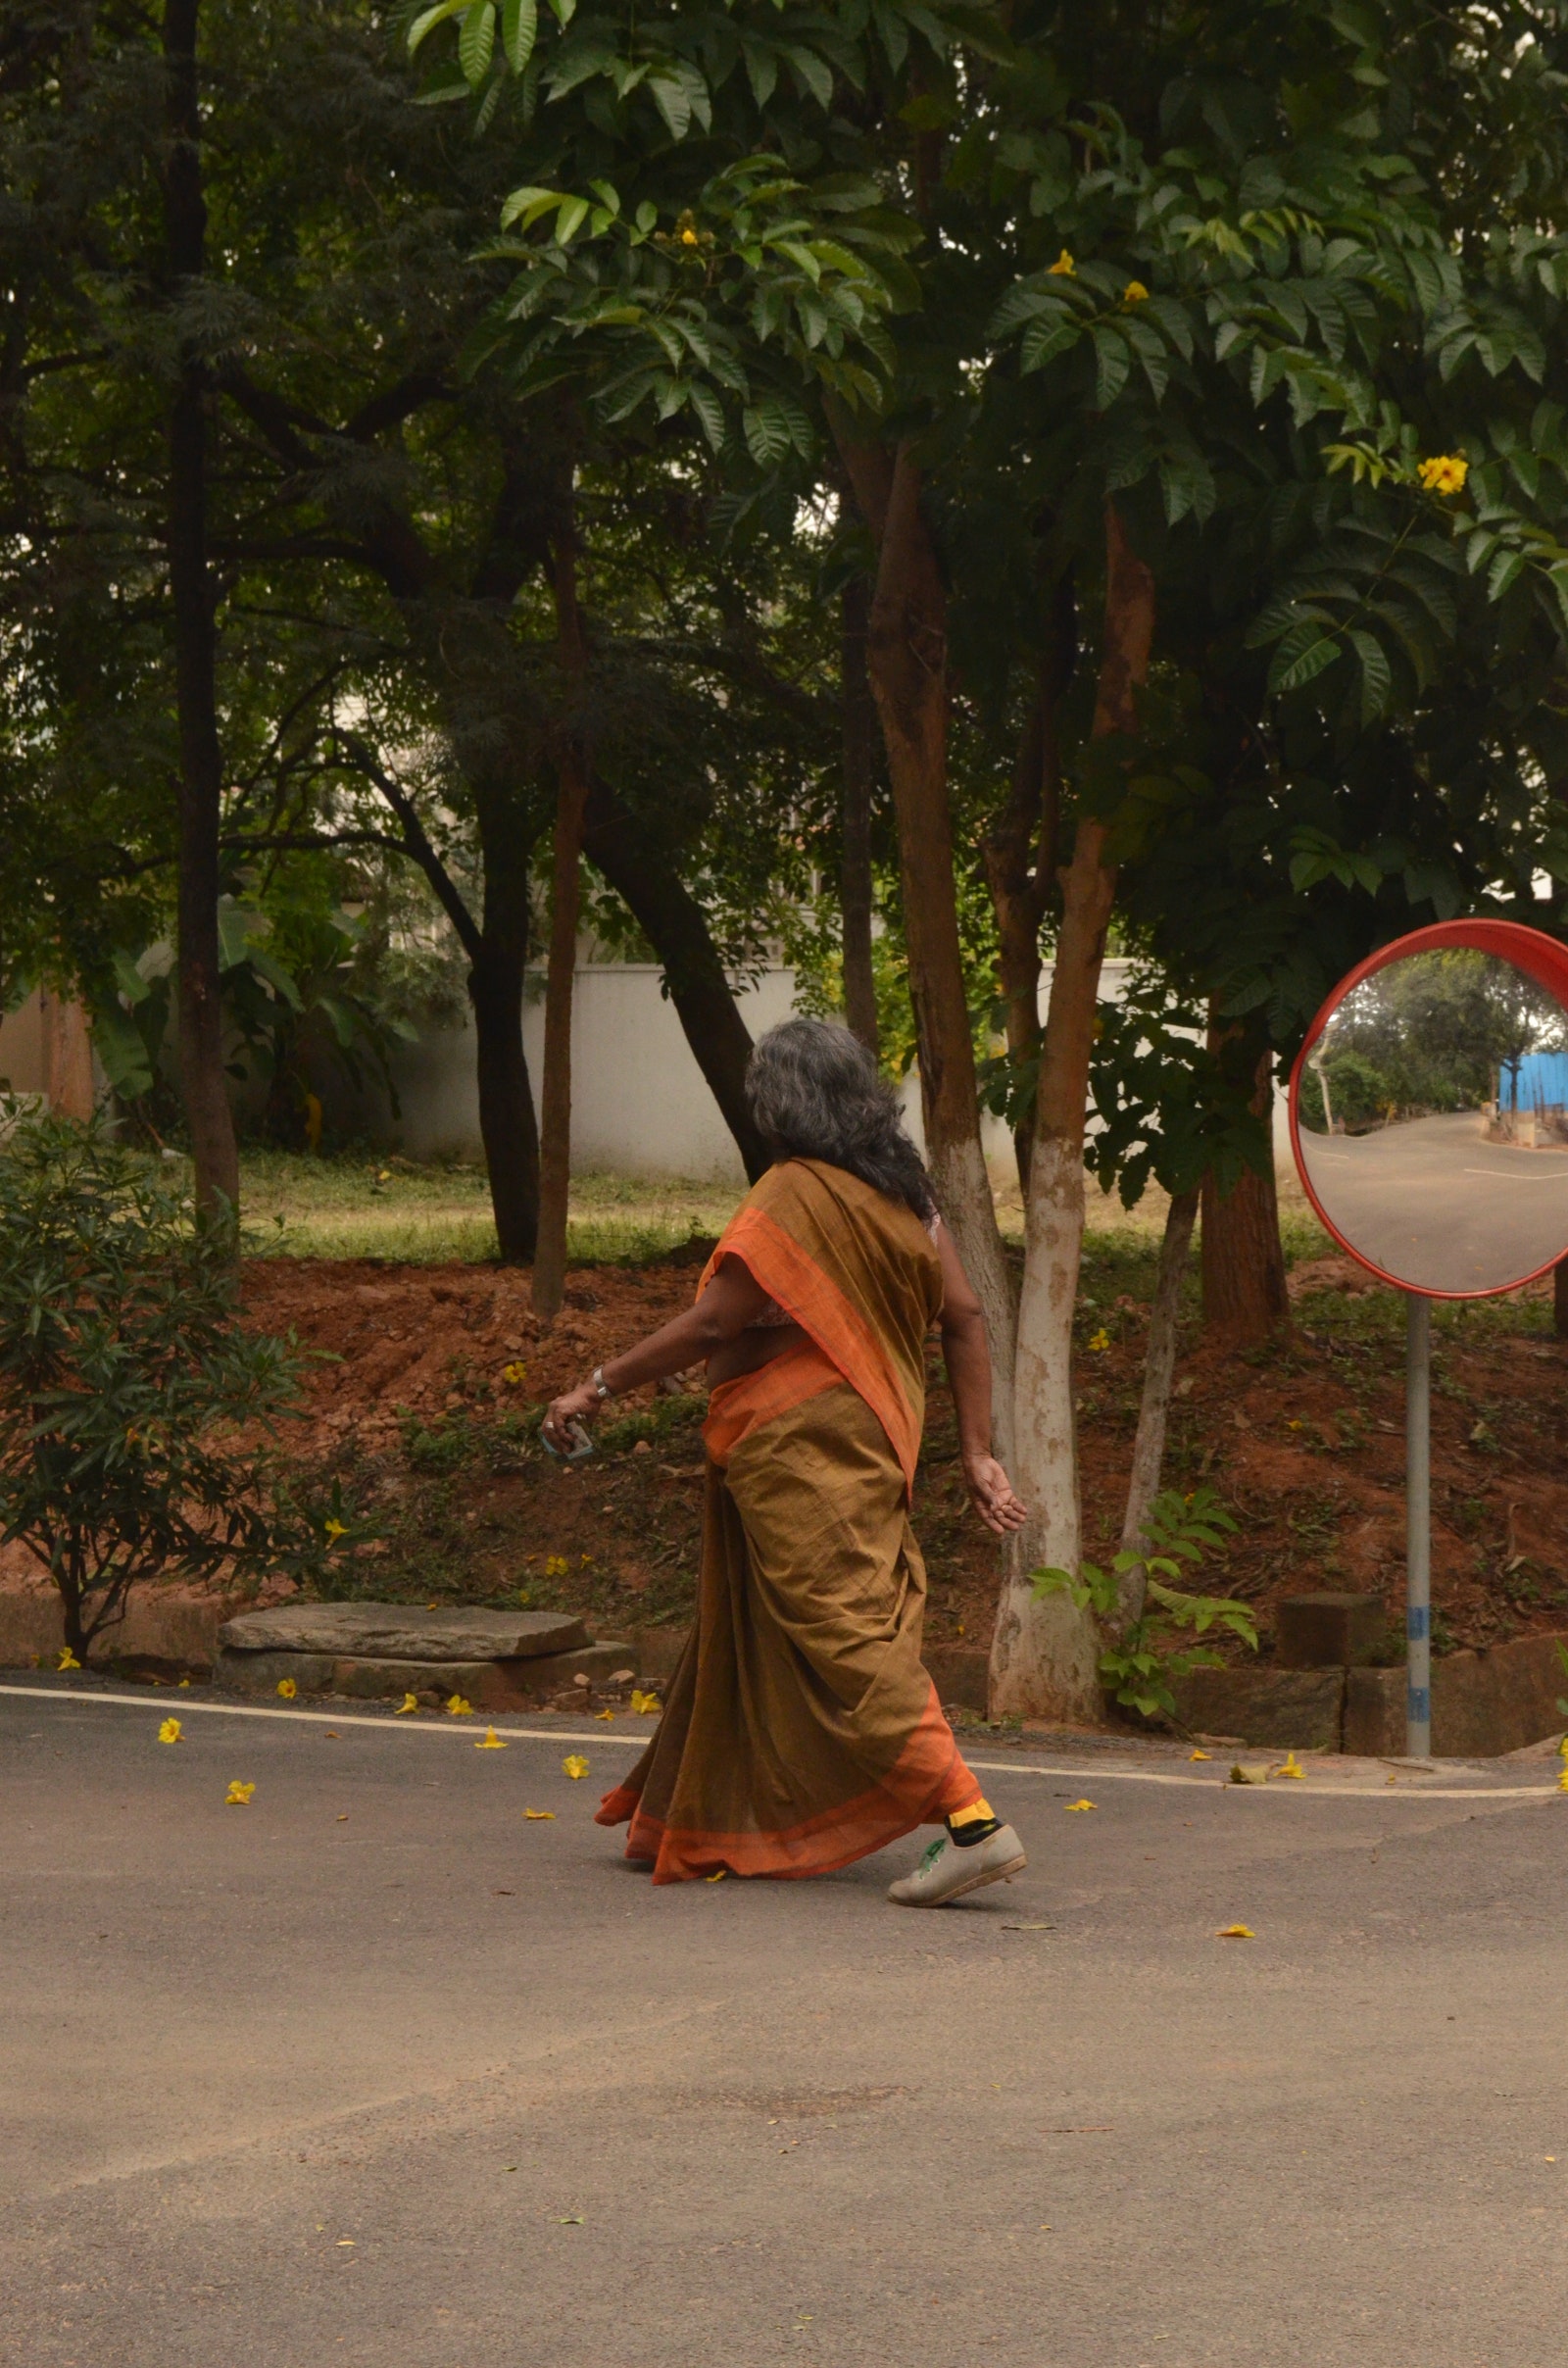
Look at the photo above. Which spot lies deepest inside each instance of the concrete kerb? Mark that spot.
(1408, 1782)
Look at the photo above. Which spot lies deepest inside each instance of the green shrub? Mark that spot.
(137, 1420)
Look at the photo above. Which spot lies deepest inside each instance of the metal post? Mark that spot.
(1418, 1526)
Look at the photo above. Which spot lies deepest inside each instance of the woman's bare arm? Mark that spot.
(968, 1361)
(732, 1302)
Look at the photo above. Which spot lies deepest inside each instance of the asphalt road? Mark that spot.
(374, 2070)
(1439, 1208)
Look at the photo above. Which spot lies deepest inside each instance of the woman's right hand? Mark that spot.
(993, 1494)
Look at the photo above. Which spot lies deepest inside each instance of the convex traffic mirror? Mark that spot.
(1429, 1110)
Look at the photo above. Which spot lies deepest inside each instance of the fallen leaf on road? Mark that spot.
(457, 1707)
(410, 1702)
(1026, 1928)
(569, 2220)
(540, 1817)
(287, 1687)
(169, 1732)
(490, 1741)
(1079, 1804)
(1236, 1931)
(574, 1766)
(343, 1817)
(238, 1795)
(1241, 1775)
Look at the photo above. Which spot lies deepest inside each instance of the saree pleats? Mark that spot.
(801, 1730)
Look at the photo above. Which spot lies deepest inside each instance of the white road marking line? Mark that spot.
(1412, 1789)
(1514, 1176)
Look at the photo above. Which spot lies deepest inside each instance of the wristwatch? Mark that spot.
(598, 1383)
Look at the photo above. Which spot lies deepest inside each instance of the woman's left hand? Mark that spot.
(994, 1497)
(574, 1406)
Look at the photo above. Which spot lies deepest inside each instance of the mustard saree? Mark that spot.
(801, 1730)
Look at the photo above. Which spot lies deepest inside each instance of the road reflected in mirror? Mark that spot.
(1433, 1122)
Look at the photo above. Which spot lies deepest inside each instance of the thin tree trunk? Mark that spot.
(906, 650)
(1244, 1298)
(671, 918)
(1021, 852)
(67, 1058)
(496, 977)
(1043, 1654)
(1159, 1366)
(193, 600)
(860, 767)
(555, 1148)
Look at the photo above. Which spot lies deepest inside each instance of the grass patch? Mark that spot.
(357, 1206)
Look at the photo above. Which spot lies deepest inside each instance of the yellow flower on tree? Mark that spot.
(287, 1687)
(1064, 268)
(1134, 292)
(574, 1766)
(1445, 473)
(457, 1708)
(169, 1732)
(238, 1795)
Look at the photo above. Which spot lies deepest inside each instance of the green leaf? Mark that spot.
(520, 29)
(1292, 674)
(476, 41)
(570, 220)
(1113, 362)
(1044, 340)
(430, 17)
(708, 408)
(1377, 681)
(1505, 570)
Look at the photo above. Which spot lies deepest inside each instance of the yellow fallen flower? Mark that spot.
(169, 1732)
(605, 1716)
(1236, 1931)
(68, 1659)
(574, 1766)
(514, 1373)
(238, 1795)
(1291, 1767)
(540, 1817)
(719, 1877)
(1079, 1804)
(410, 1702)
(1199, 1756)
(287, 1687)
(1562, 1782)
(646, 1704)
(1562, 1749)
(457, 1707)
(489, 1741)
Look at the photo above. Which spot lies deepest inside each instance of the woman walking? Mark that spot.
(801, 1730)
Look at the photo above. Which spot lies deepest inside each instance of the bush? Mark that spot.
(137, 1420)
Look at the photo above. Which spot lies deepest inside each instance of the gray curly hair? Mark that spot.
(815, 1093)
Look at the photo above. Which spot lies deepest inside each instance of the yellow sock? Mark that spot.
(978, 1812)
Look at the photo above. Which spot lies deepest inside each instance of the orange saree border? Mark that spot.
(790, 1275)
(928, 1781)
(737, 1407)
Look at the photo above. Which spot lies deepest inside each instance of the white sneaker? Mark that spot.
(946, 1872)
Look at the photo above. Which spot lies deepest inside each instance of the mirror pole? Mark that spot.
(1418, 1526)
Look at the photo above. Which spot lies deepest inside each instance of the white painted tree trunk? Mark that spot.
(970, 1211)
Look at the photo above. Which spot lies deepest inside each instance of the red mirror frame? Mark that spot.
(1539, 957)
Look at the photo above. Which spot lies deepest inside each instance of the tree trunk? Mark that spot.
(555, 1150)
(506, 1122)
(907, 651)
(1159, 1366)
(1245, 1299)
(67, 1057)
(1043, 1654)
(1560, 1299)
(1021, 852)
(860, 767)
(671, 918)
(193, 600)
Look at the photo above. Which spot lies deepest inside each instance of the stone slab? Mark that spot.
(1326, 1630)
(1483, 1703)
(490, 1685)
(1274, 1710)
(404, 1632)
